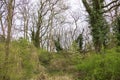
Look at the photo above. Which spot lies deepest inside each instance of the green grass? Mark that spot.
(26, 62)
(22, 61)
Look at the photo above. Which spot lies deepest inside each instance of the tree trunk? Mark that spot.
(10, 9)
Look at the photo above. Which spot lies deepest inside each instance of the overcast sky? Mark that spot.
(75, 4)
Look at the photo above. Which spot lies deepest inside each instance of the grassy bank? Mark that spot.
(28, 63)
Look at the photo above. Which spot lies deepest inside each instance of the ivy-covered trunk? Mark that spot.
(117, 29)
(98, 24)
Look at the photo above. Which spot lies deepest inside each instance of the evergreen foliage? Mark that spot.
(79, 41)
(58, 45)
(117, 30)
(98, 24)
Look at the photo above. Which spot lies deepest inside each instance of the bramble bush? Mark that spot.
(100, 67)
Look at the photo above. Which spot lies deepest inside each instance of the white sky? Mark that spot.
(73, 3)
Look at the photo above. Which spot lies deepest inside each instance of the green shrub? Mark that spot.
(44, 57)
(100, 67)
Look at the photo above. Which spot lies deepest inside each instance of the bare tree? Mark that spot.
(48, 10)
(24, 11)
(9, 6)
(1, 17)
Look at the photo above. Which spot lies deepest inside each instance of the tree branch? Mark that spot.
(88, 9)
(110, 3)
(117, 5)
